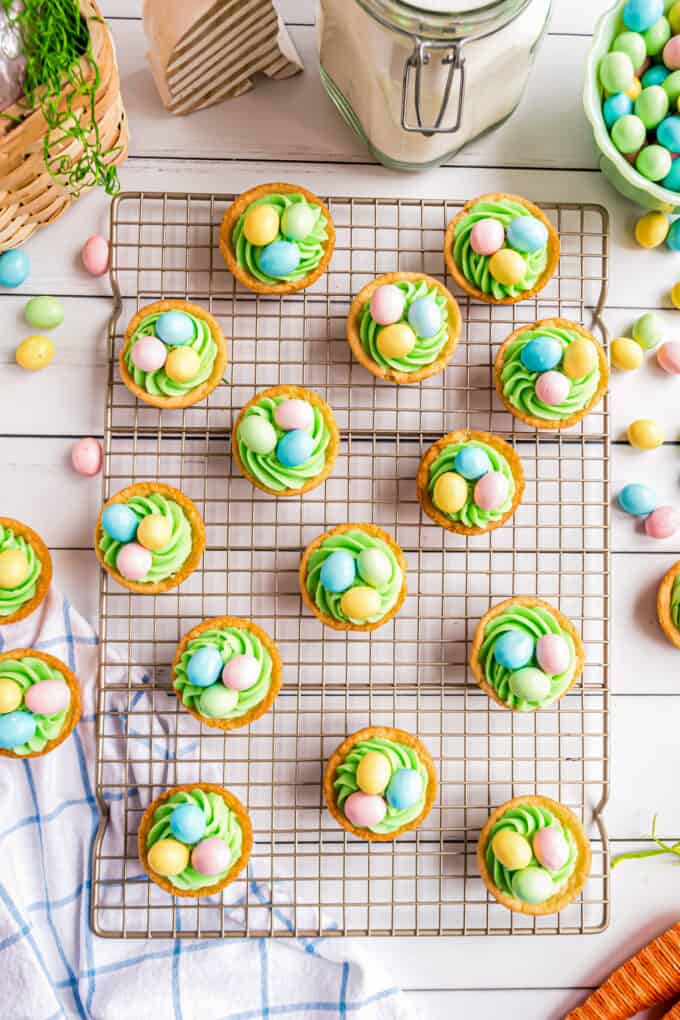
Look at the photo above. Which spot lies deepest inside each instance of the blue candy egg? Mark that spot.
(472, 463)
(16, 728)
(14, 268)
(668, 134)
(541, 354)
(175, 328)
(205, 666)
(405, 789)
(513, 649)
(672, 180)
(639, 15)
(655, 75)
(187, 823)
(637, 499)
(616, 106)
(120, 522)
(338, 571)
(527, 234)
(294, 448)
(425, 317)
(278, 259)
(673, 235)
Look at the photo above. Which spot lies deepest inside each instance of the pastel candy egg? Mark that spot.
(217, 701)
(279, 259)
(616, 106)
(149, 354)
(530, 684)
(87, 457)
(11, 695)
(626, 354)
(187, 823)
(511, 849)
(373, 772)
(374, 567)
(655, 75)
(338, 571)
(34, 353)
(656, 36)
(645, 434)
(674, 18)
(44, 313)
(532, 885)
(651, 106)
(639, 15)
(675, 292)
(551, 848)
(541, 354)
(133, 561)
(491, 491)
(633, 44)
(16, 728)
(552, 388)
(527, 234)
(360, 603)
(663, 522)
(14, 268)
(154, 531)
(513, 649)
(671, 54)
(637, 499)
(95, 255)
(405, 789)
(673, 239)
(635, 89)
(49, 697)
(297, 221)
(14, 568)
(668, 134)
(294, 448)
(425, 317)
(167, 857)
(671, 84)
(396, 341)
(616, 72)
(182, 364)
(119, 522)
(212, 856)
(175, 328)
(580, 359)
(668, 356)
(257, 434)
(628, 133)
(241, 672)
(552, 654)
(294, 414)
(648, 330)
(472, 462)
(487, 236)
(204, 666)
(508, 267)
(450, 492)
(654, 161)
(387, 304)
(652, 228)
(261, 225)
(364, 809)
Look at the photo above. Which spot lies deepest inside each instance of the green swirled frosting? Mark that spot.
(12, 599)
(675, 601)
(311, 248)
(519, 382)
(400, 756)
(475, 267)
(267, 468)
(229, 641)
(328, 602)
(426, 349)
(171, 557)
(471, 515)
(158, 383)
(220, 820)
(534, 621)
(527, 819)
(26, 672)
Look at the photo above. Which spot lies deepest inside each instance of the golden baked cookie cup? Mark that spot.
(668, 604)
(468, 286)
(353, 538)
(268, 463)
(194, 394)
(233, 803)
(234, 213)
(16, 535)
(143, 490)
(572, 887)
(500, 454)
(253, 636)
(73, 712)
(375, 735)
(529, 620)
(533, 420)
(390, 370)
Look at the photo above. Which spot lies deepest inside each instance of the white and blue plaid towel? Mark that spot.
(52, 966)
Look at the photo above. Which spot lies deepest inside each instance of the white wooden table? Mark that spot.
(289, 131)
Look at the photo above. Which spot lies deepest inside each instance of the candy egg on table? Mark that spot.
(671, 54)
(187, 823)
(182, 364)
(663, 522)
(652, 228)
(364, 809)
(14, 268)
(673, 238)
(405, 789)
(211, 856)
(637, 499)
(487, 236)
(616, 106)
(280, 258)
(580, 358)
(628, 133)
(49, 697)
(338, 571)
(508, 267)
(541, 354)
(175, 328)
(551, 848)
(133, 561)
(511, 849)
(513, 649)
(168, 857)
(552, 388)
(616, 72)
(651, 106)
(11, 695)
(639, 15)
(527, 234)
(257, 434)
(396, 341)
(387, 304)
(16, 728)
(373, 772)
(14, 568)
(425, 317)
(261, 225)
(297, 221)
(633, 44)
(34, 353)
(95, 255)
(294, 414)
(472, 463)
(626, 354)
(654, 161)
(87, 456)
(552, 654)
(648, 330)
(360, 603)
(217, 701)
(44, 313)
(491, 491)
(530, 684)
(450, 492)
(154, 531)
(668, 356)
(675, 294)
(644, 434)
(120, 522)
(532, 885)
(241, 672)
(374, 567)
(149, 354)
(204, 666)
(294, 448)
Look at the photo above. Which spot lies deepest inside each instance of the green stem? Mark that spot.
(663, 848)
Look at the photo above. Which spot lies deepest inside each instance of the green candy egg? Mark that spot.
(651, 106)
(671, 86)
(656, 37)
(44, 313)
(257, 434)
(616, 72)
(629, 133)
(374, 567)
(633, 44)
(217, 701)
(532, 885)
(648, 330)
(530, 684)
(297, 222)
(654, 162)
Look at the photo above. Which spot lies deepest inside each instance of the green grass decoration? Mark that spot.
(54, 39)
(663, 848)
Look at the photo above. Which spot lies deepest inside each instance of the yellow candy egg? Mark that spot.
(182, 364)
(14, 568)
(580, 358)
(360, 603)
(511, 849)
(651, 229)
(507, 267)
(627, 355)
(396, 341)
(450, 492)
(154, 531)
(645, 434)
(34, 353)
(168, 857)
(261, 225)
(635, 89)
(675, 295)
(373, 772)
(10, 695)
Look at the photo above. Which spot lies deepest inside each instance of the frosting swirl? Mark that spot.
(311, 248)
(675, 601)
(26, 672)
(12, 599)
(426, 349)
(328, 602)
(471, 515)
(267, 468)
(158, 383)
(220, 820)
(527, 819)
(400, 756)
(519, 382)
(229, 641)
(166, 561)
(475, 267)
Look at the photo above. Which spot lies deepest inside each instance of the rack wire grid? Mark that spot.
(307, 877)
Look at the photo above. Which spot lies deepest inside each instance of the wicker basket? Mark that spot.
(30, 198)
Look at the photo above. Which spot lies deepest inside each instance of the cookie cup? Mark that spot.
(45, 578)
(663, 605)
(75, 705)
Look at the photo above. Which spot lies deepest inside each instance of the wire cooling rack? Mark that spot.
(307, 876)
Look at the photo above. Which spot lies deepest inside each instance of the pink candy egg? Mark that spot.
(668, 356)
(671, 53)
(48, 697)
(387, 304)
(86, 457)
(364, 809)
(241, 672)
(149, 354)
(551, 849)
(95, 255)
(491, 491)
(487, 237)
(294, 414)
(663, 522)
(552, 388)
(552, 653)
(211, 857)
(133, 561)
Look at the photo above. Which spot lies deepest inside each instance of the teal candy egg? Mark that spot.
(673, 237)
(374, 567)
(639, 15)
(14, 268)
(541, 354)
(295, 448)
(297, 221)
(655, 75)
(217, 701)
(513, 649)
(187, 823)
(44, 313)
(279, 259)
(120, 522)
(668, 134)
(404, 790)
(16, 728)
(530, 684)
(637, 499)
(338, 571)
(472, 463)
(672, 179)
(527, 234)
(175, 328)
(425, 317)
(532, 885)
(204, 666)
(257, 434)
(615, 107)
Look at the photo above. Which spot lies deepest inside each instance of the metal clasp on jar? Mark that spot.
(420, 58)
